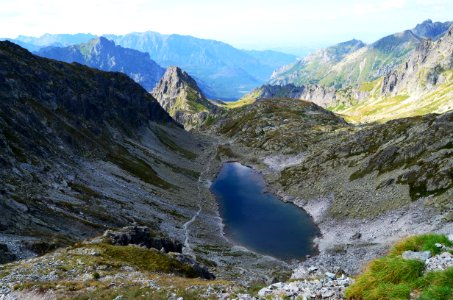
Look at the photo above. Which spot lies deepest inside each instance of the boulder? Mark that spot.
(142, 236)
(199, 269)
(5, 255)
(422, 256)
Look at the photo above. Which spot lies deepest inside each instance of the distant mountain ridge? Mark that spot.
(421, 84)
(222, 71)
(102, 54)
(226, 71)
(358, 64)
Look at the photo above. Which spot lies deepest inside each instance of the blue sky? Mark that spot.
(252, 24)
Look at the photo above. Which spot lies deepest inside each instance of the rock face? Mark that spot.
(425, 69)
(180, 96)
(103, 54)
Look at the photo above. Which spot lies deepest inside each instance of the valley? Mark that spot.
(122, 180)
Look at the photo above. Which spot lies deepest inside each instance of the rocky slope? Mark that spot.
(84, 150)
(315, 66)
(103, 54)
(425, 69)
(352, 63)
(365, 186)
(180, 96)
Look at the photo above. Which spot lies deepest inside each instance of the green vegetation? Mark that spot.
(424, 242)
(165, 274)
(143, 259)
(392, 277)
(248, 99)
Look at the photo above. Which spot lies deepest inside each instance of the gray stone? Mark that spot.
(422, 256)
(330, 275)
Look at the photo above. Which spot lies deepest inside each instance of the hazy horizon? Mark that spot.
(289, 25)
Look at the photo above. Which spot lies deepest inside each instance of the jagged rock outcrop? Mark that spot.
(142, 236)
(103, 54)
(180, 96)
(429, 66)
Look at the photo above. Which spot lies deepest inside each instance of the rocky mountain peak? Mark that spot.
(431, 30)
(178, 93)
(175, 76)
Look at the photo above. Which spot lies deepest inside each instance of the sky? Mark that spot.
(248, 24)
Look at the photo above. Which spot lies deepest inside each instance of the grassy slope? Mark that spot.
(103, 271)
(382, 109)
(392, 277)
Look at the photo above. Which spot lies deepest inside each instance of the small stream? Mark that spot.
(259, 220)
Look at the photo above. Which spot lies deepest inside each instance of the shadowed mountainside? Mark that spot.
(103, 54)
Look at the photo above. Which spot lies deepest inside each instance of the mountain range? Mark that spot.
(419, 84)
(222, 71)
(353, 62)
(103, 54)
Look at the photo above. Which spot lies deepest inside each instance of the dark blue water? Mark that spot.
(258, 220)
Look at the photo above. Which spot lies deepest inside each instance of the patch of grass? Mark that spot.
(424, 242)
(436, 285)
(392, 277)
(248, 99)
(144, 259)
